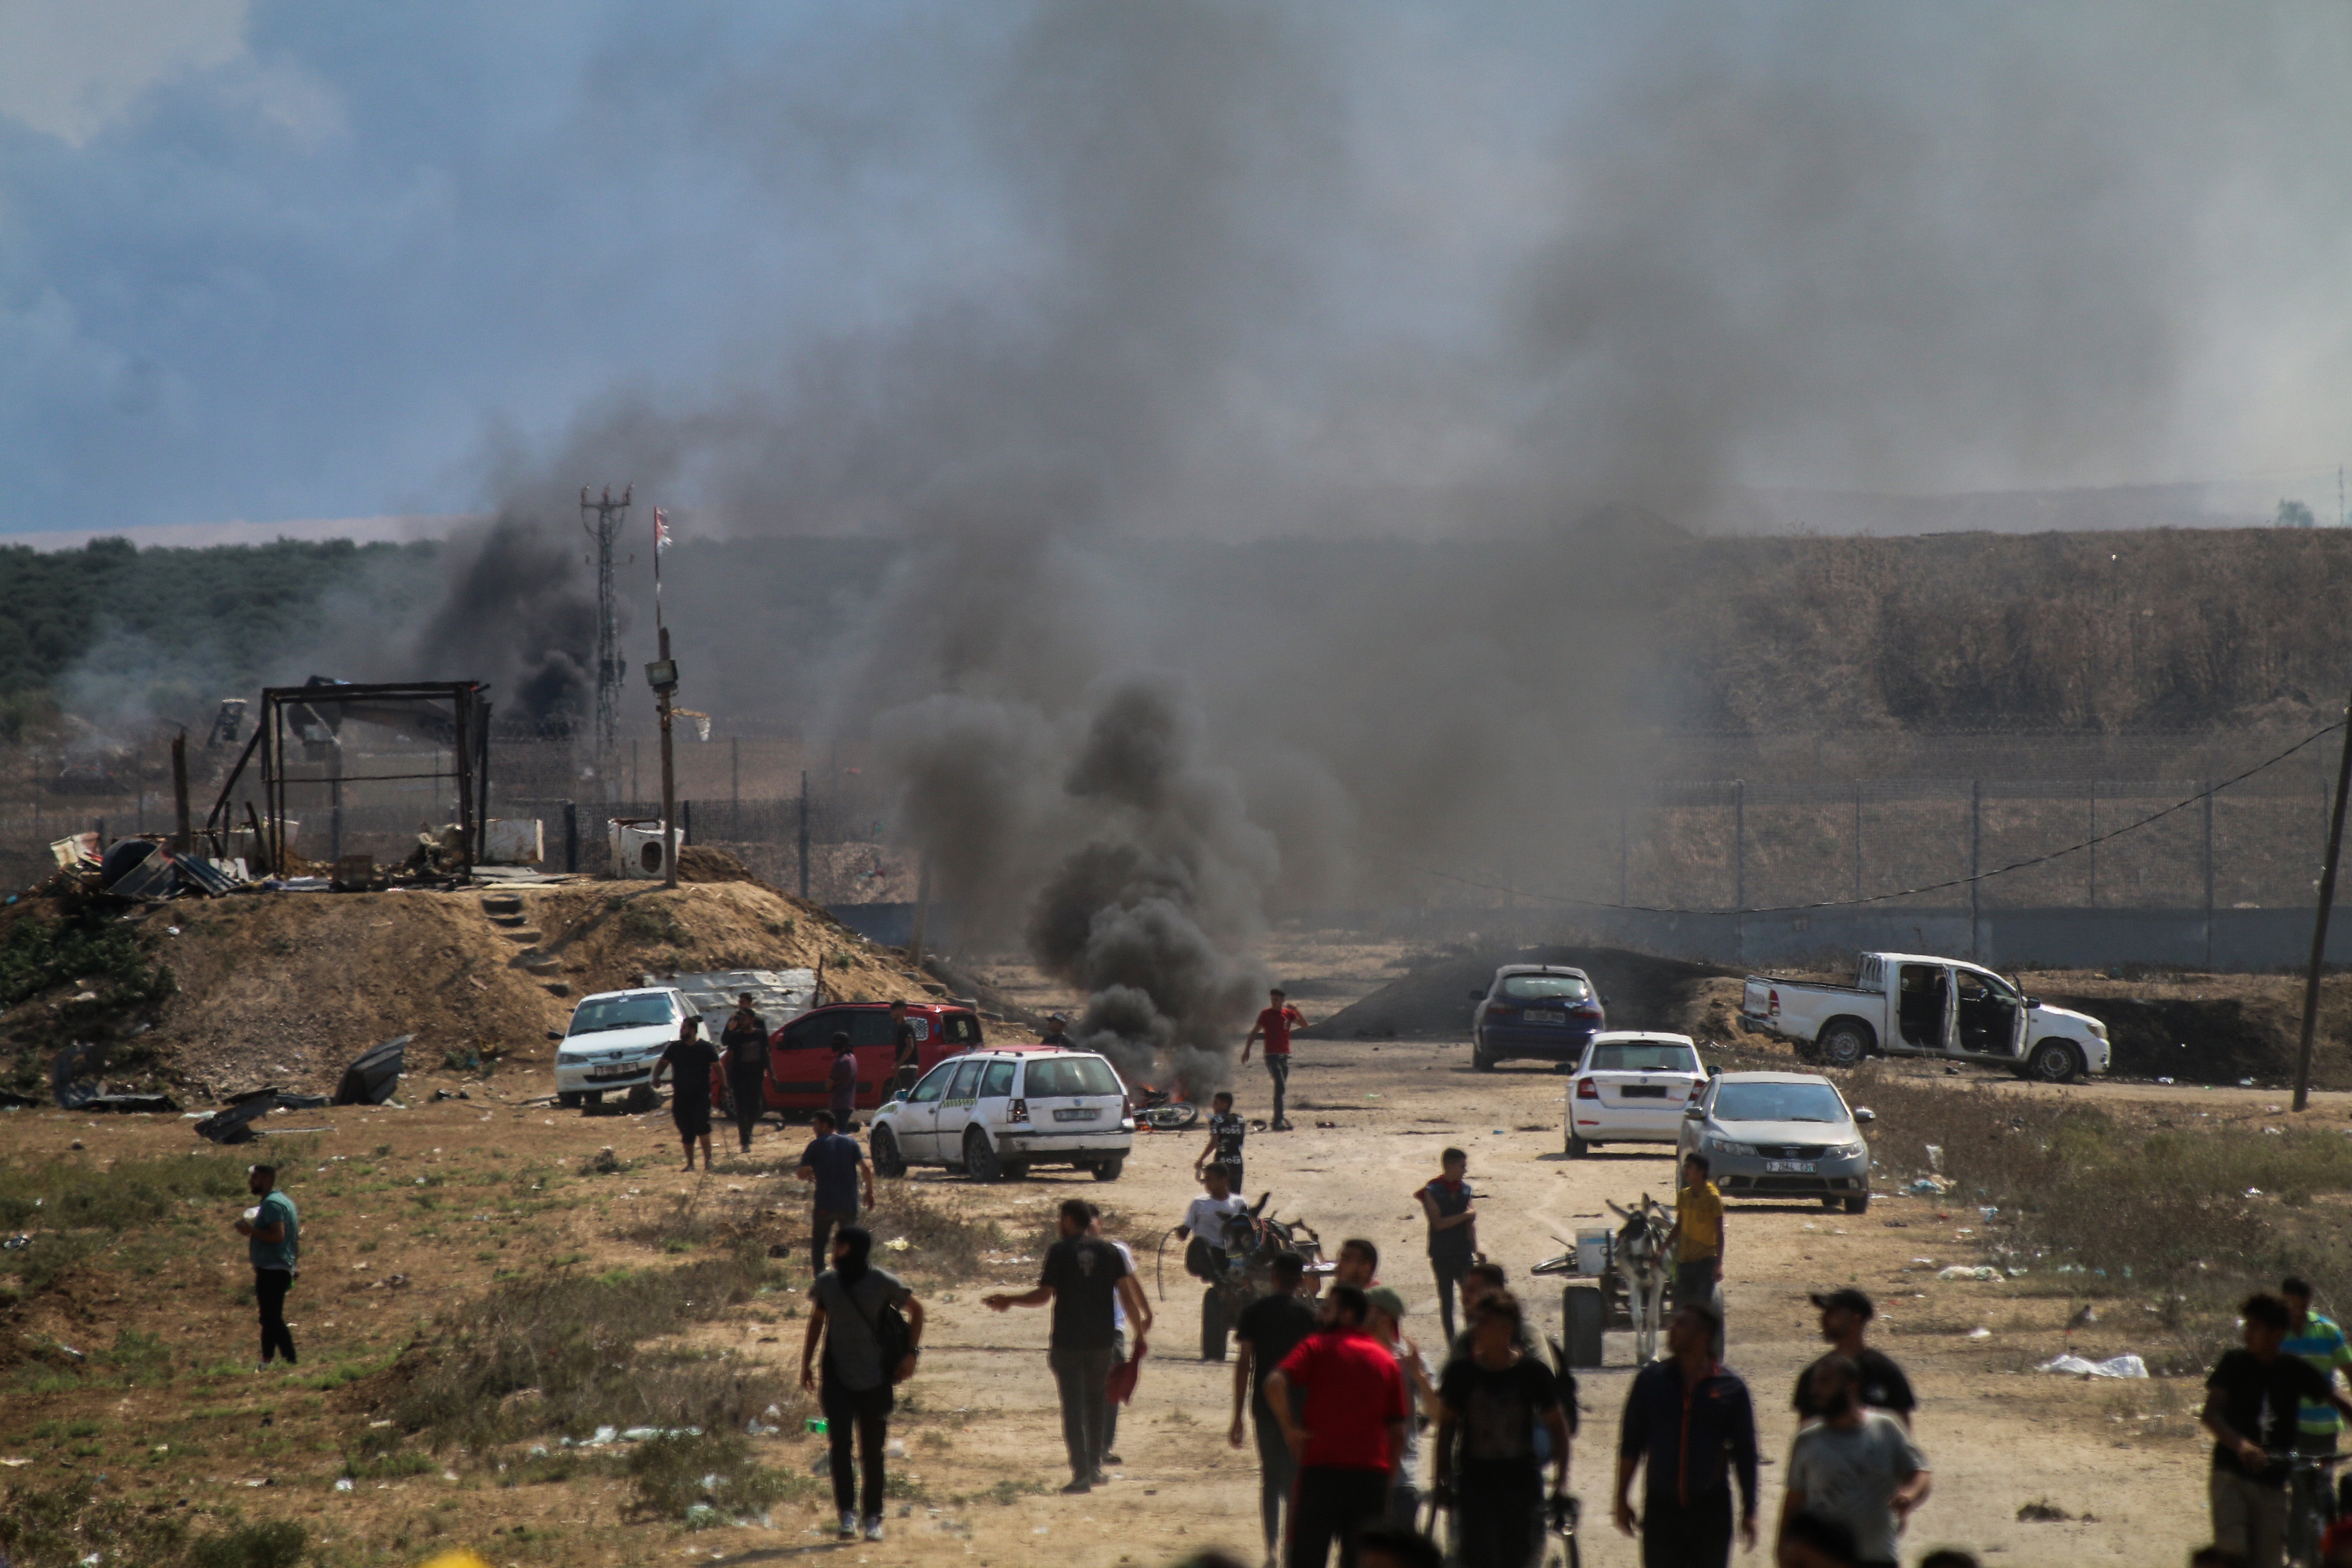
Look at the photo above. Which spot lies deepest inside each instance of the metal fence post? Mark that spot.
(1976, 863)
(1857, 840)
(2209, 876)
(804, 837)
(1740, 870)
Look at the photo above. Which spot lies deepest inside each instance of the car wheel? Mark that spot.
(888, 1160)
(979, 1159)
(1843, 1045)
(1831, 1202)
(1479, 1060)
(2053, 1061)
(591, 1099)
(1577, 1147)
(1858, 1205)
(568, 1099)
(1108, 1170)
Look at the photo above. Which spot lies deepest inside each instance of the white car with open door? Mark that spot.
(1632, 1086)
(996, 1111)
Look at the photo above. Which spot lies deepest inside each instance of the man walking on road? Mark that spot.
(2253, 1403)
(1844, 1314)
(841, 1082)
(688, 1060)
(1082, 1276)
(273, 1245)
(746, 1060)
(1269, 1329)
(1274, 1026)
(1347, 1434)
(1856, 1466)
(1494, 1402)
(1696, 1242)
(846, 1307)
(1453, 1230)
(1692, 1424)
(907, 1052)
(838, 1167)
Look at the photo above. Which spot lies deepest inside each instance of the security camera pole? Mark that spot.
(662, 676)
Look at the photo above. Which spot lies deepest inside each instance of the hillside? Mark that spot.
(285, 989)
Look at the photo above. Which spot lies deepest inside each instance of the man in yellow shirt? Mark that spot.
(1696, 1241)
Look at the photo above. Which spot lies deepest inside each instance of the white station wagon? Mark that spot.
(995, 1112)
(1633, 1088)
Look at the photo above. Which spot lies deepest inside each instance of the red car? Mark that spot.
(800, 1055)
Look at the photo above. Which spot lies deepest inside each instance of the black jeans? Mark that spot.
(821, 1223)
(1334, 1504)
(1277, 1476)
(1498, 1514)
(1449, 1274)
(750, 1094)
(269, 1288)
(1277, 1068)
(1698, 1536)
(869, 1410)
(1082, 1377)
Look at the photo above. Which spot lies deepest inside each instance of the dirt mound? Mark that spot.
(287, 988)
(1433, 1002)
(701, 863)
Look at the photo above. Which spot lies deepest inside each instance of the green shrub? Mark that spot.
(670, 1473)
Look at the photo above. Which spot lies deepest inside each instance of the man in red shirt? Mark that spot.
(1347, 1432)
(1274, 1026)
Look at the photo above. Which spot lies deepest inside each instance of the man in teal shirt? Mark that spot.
(2316, 1340)
(274, 1243)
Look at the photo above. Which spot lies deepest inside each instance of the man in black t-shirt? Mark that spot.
(2253, 1401)
(745, 1038)
(688, 1060)
(1082, 1276)
(1057, 1033)
(1844, 1314)
(1268, 1330)
(907, 1059)
(1491, 1403)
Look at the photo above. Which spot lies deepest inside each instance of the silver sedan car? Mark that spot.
(1779, 1135)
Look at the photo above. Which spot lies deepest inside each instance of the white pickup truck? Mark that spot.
(1905, 1004)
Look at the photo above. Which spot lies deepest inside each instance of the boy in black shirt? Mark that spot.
(1491, 1402)
(1226, 1131)
(1268, 1330)
(688, 1060)
(1845, 1314)
(2253, 1400)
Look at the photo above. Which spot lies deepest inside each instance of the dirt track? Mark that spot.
(982, 1411)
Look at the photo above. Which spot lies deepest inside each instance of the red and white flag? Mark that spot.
(661, 530)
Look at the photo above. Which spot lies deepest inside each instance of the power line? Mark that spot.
(2042, 859)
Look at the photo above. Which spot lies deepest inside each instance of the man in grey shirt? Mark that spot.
(1854, 1465)
(845, 1310)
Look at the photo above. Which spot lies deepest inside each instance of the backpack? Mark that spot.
(891, 1332)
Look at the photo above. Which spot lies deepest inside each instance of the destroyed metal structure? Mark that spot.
(299, 739)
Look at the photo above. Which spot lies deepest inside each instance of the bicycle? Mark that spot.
(2311, 1503)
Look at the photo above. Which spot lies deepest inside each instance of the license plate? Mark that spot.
(1535, 1017)
(1788, 1167)
(1642, 1092)
(614, 1069)
(1083, 1114)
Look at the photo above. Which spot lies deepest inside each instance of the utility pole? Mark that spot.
(180, 839)
(663, 675)
(804, 837)
(2319, 925)
(611, 517)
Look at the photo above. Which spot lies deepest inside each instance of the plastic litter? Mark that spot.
(2113, 1366)
(342, 1483)
(896, 1243)
(1962, 1271)
(1980, 1334)
(702, 1516)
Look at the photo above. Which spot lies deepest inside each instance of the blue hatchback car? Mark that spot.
(1539, 1012)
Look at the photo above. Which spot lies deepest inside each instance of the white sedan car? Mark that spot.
(1632, 1086)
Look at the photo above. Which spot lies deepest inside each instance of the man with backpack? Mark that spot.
(869, 1348)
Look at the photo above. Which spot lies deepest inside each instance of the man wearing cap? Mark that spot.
(1844, 1314)
(1057, 1033)
(1274, 1026)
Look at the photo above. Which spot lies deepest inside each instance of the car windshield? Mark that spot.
(1546, 987)
(1057, 1076)
(600, 1013)
(1777, 1102)
(1643, 1055)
